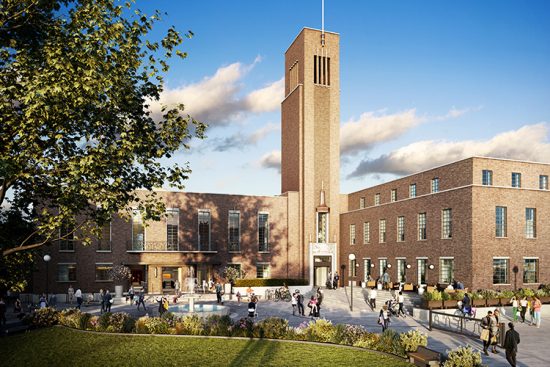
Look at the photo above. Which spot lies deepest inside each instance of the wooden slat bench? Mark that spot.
(425, 357)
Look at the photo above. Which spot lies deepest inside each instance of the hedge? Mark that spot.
(259, 282)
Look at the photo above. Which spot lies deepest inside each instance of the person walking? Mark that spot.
(384, 318)
(219, 292)
(78, 295)
(141, 300)
(131, 294)
(515, 305)
(524, 306)
(372, 298)
(70, 294)
(108, 300)
(511, 341)
(401, 301)
(537, 308)
(335, 280)
(42, 302)
(486, 326)
(294, 301)
(300, 299)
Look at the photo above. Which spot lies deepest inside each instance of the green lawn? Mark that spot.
(60, 346)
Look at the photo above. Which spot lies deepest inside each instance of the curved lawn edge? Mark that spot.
(351, 347)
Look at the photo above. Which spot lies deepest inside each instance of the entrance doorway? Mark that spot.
(169, 277)
(322, 267)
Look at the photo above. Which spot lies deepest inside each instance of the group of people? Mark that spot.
(314, 303)
(490, 325)
(333, 280)
(521, 306)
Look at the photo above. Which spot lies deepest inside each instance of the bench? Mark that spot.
(425, 357)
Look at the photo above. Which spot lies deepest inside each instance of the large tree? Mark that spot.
(77, 135)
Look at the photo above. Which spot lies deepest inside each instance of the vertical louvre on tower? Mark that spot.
(321, 70)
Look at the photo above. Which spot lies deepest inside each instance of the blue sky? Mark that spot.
(423, 83)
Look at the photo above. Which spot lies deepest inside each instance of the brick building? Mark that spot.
(442, 218)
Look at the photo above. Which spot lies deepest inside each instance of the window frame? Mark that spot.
(503, 227)
(230, 234)
(535, 271)
(267, 248)
(74, 265)
(506, 261)
(412, 190)
(366, 233)
(199, 243)
(382, 234)
(531, 224)
(401, 228)
(543, 182)
(447, 224)
(107, 280)
(516, 180)
(442, 259)
(352, 235)
(264, 265)
(422, 226)
(435, 185)
(487, 177)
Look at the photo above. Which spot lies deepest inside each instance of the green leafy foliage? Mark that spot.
(463, 357)
(260, 282)
(43, 317)
(412, 339)
(274, 328)
(390, 342)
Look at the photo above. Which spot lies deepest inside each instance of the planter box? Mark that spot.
(545, 299)
(451, 303)
(408, 287)
(432, 304)
(493, 302)
(479, 303)
(371, 284)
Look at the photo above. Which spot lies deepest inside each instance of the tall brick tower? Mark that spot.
(310, 162)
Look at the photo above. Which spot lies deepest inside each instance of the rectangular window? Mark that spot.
(412, 190)
(447, 223)
(393, 195)
(366, 232)
(422, 233)
(204, 230)
(401, 270)
(543, 182)
(263, 232)
(367, 264)
(263, 270)
(66, 272)
(422, 265)
(400, 229)
(172, 226)
(234, 223)
(487, 177)
(377, 199)
(66, 235)
(352, 270)
(530, 270)
(382, 230)
(102, 272)
(516, 179)
(530, 223)
(383, 266)
(500, 221)
(104, 239)
(435, 184)
(322, 227)
(352, 234)
(362, 203)
(500, 271)
(446, 270)
(138, 231)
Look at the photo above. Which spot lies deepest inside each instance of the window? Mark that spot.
(362, 203)
(66, 272)
(383, 264)
(66, 235)
(172, 225)
(400, 229)
(234, 223)
(447, 223)
(401, 270)
(138, 231)
(530, 223)
(377, 199)
(352, 234)
(530, 270)
(102, 272)
(367, 264)
(263, 232)
(487, 177)
(446, 270)
(412, 190)
(104, 239)
(393, 195)
(322, 227)
(422, 233)
(263, 270)
(293, 76)
(500, 219)
(366, 232)
(422, 265)
(543, 182)
(352, 270)
(435, 184)
(382, 230)
(516, 179)
(204, 230)
(500, 271)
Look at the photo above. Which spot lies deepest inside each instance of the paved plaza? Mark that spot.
(533, 349)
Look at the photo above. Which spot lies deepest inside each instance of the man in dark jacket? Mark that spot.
(511, 341)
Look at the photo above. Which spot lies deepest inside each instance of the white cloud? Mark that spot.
(242, 140)
(271, 160)
(529, 143)
(217, 100)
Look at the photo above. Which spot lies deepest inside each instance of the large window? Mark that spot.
(104, 239)
(138, 231)
(366, 232)
(66, 272)
(446, 269)
(435, 184)
(422, 265)
(500, 221)
(263, 270)
(376, 199)
(367, 264)
(422, 233)
(66, 235)
(401, 270)
(382, 265)
(382, 230)
(447, 223)
(362, 203)
(172, 225)
(500, 270)
(516, 179)
(234, 231)
(322, 227)
(393, 195)
(102, 272)
(352, 234)
(352, 270)
(530, 270)
(543, 182)
(204, 230)
(400, 229)
(263, 232)
(412, 190)
(487, 177)
(530, 222)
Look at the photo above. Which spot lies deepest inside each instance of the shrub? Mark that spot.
(189, 325)
(93, 323)
(141, 325)
(120, 322)
(433, 296)
(367, 340)
(103, 321)
(320, 331)
(390, 342)
(445, 296)
(476, 295)
(348, 334)
(412, 339)
(218, 325)
(43, 317)
(506, 294)
(527, 292)
(70, 317)
(244, 327)
(170, 318)
(540, 293)
(463, 357)
(458, 295)
(489, 294)
(269, 282)
(156, 325)
(274, 328)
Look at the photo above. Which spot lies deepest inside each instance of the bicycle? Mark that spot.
(282, 294)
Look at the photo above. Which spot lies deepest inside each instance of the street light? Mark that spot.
(47, 259)
(351, 257)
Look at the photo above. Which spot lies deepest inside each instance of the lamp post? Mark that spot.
(351, 257)
(47, 259)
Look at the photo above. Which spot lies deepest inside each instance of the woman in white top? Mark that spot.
(515, 304)
(524, 304)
